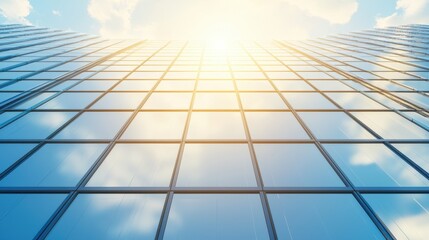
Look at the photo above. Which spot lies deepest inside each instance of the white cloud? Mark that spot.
(407, 12)
(56, 12)
(15, 11)
(114, 16)
(227, 19)
(334, 11)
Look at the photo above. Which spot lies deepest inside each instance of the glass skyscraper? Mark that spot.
(139, 139)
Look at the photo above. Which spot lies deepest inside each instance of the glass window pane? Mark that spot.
(156, 125)
(70, 101)
(135, 85)
(35, 125)
(176, 85)
(119, 101)
(334, 125)
(292, 85)
(110, 216)
(215, 85)
(168, 101)
(54, 165)
(354, 101)
(94, 125)
(390, 125)
(32, 102)
(215, 101)
(216, 165)
(308, 101)
(23, 215)
(274, 125)
(145, 75)
(216, 125)
(329, 85)
(12, 152)
(216, 216)
(262, 101)
(320, 216)
(254, 85)
(141, 165)
(94, 85)
(295, 165)
(374, 165)
(418, 153)
(405, 215)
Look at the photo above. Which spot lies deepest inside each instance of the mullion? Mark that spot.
(41, 143)
(169, 198)
(333, 164)
(387, 144)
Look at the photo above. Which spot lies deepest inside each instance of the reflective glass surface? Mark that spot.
(274, 125)
(334, 125)
(405, 215)
(308, 101)
(325, 216)
(374, 165)
(216, 165)
(12, 152)
(216, 125)
(160, 139)
(94, 125)
(168, 101)
(54, 165)
(141, 165)
(418, 153)
(390, 125)
(35, 125)
(294, 165)
(119, 101)
(216, 216)
(22, 215)
(215, 101)
(110, 216)
(156, 125)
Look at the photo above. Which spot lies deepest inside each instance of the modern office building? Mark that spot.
(139, 139)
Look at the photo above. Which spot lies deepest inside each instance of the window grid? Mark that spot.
(245, 63)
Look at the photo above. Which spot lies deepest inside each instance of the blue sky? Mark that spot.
(193, 19)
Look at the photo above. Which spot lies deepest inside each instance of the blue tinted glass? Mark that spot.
(142, 165)
(216, 165)
(320, 216)
(94, 125)
(216, 216)
(355, 101)
(59, 165)
(93, 85)
(110, 216)
(417, 152)
(34, 101)
(390, 125)
(70, 101)
(308, 101)
(23, 215)
(119, 101)
(293, 165)
(374, 165)
(35, 125)
(334, 125)
(405, 215)
(10, 153)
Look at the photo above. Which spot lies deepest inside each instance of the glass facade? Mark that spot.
(129, 139)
